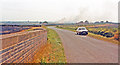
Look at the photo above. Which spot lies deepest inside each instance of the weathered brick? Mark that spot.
(21, 48)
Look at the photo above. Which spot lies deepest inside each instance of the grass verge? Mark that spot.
(93, 35)
(53, 51)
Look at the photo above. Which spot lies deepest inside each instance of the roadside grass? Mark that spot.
(53, 51)
(103, 38)
(67, 28)
(92, 35)
(57, 47)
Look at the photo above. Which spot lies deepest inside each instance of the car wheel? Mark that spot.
(77, 33)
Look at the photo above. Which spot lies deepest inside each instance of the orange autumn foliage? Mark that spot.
(117, 36)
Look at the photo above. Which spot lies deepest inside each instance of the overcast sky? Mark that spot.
(55, 10)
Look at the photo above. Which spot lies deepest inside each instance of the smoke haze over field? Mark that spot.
(60, 10)
(105, 12)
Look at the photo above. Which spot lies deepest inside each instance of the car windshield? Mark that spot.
(81, 28)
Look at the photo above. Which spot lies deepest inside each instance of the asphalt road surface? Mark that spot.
(84, 49)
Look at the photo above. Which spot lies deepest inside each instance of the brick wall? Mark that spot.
(20, 48)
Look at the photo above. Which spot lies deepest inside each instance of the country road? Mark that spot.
(84, 49)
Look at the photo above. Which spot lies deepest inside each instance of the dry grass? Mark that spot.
(103, 38)
(52, 52)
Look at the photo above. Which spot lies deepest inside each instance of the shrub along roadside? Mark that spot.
(53, 51)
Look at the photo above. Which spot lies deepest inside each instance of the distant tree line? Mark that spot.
(83, 22)
(45, 22)
(103, 22)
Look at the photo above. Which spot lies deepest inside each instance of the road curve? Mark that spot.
(84, 49)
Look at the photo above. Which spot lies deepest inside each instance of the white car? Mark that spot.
(81, 31)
